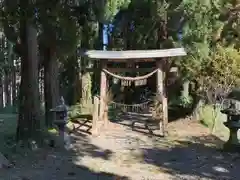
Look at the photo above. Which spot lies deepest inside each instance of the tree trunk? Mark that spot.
(1, 92)
(29, 120)
(51, 84)
(7, 89)
(41, 84)
(77, 81)
(14, 87)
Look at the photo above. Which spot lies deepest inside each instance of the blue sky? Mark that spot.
(106, 28)
(105, 36)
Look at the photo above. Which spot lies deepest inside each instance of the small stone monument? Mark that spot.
(61, 121)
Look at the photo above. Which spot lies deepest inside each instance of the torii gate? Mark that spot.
(160, 57)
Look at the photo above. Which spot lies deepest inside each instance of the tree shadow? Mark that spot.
(55, 163)
(83, 147)
(140, 123)
(199, 156)
(178, 112)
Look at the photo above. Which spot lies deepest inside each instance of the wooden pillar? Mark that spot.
(161, 92)
(95, 115)
(103, 91)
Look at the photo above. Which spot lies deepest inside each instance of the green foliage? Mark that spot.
(52, 131)
(230, 30)
(53, 20)
(199, 25)
(75, 111)
(209, 64)
(184, 102)
(139, 25)
(222, 70)
(108, 9)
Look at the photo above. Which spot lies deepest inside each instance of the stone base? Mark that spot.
(61, 140)
(4, 163)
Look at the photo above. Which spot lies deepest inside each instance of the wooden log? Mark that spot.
(95, 115)
(165, 98)
(103, 91)
(161, 92)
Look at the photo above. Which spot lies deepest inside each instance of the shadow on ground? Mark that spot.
(190, 157)
(143, 123)
(58, 164)
(197, 157)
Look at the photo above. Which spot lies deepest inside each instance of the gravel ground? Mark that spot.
(188, 152)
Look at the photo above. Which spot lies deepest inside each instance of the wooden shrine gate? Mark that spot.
(132, 60)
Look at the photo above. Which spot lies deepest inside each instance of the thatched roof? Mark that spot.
(134, 54)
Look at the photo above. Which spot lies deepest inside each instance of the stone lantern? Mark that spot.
(233, 122)
(61, 120)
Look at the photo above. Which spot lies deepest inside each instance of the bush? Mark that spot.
(182, 101)
(208, 115)
(74, 111)
(78, 109)
(186, 102)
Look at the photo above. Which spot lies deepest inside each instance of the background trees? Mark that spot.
(40, 42)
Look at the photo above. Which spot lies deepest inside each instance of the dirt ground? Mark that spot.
(119, 153)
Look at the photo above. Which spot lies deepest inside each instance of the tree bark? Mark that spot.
(77, 81)
(41, 84)
(14, 86)
(14, 80)
(7, 89)
(51, 84)
(1, 92)
(28, 120)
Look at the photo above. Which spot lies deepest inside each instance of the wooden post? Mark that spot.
(95, 115)
(161, 92)
(103, 91)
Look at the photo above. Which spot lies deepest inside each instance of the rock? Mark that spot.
(4, 163)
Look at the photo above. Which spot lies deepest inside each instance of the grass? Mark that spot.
(9, 123)
(7, 130)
